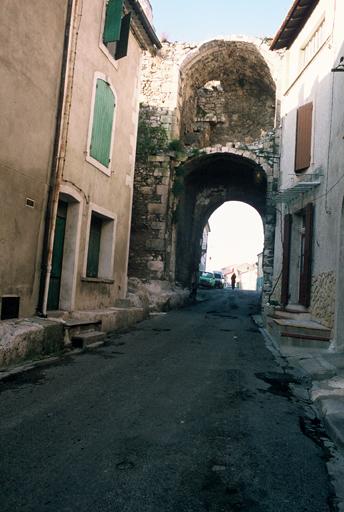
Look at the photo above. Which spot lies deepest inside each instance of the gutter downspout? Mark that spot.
(59, 149)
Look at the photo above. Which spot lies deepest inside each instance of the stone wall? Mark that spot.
(151, 218)
(323, 298)
(215, 98)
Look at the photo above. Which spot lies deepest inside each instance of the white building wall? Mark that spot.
(314, 82)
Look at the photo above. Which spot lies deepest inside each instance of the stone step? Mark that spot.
(76, 326)
(292, 316)
(305, 327)
(87, 338)
(299, 333)
(296, 308)
(75, 322)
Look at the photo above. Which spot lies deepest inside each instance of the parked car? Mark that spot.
(219, 279)
(207, 279)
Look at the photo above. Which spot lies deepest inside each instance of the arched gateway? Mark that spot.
(216, 102)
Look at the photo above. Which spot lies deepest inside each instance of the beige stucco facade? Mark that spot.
(28, 123)
(30, 77)
(109, 194)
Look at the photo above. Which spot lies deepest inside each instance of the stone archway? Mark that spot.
(218, 100)
(227, 94)
(209, 181)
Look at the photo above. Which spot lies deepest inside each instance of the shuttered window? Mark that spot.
(113, 19)
(303, 137)
(94, 246)
(122, 45)
(103, 115)
(116, 29)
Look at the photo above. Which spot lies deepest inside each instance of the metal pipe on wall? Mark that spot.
(60, 146)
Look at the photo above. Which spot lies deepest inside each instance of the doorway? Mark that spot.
(297, 257)
(57, 261)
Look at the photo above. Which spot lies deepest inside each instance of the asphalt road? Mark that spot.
(189, 412)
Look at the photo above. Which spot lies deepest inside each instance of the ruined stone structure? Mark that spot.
(216, 103)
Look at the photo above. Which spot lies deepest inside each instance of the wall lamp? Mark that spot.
(340, 66)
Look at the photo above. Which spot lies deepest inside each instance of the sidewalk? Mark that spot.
(323, 370)
(29, 341)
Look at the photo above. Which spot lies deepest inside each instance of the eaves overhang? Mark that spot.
(294, 22)
(142, 28)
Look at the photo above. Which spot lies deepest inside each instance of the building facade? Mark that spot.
(70, 192)
(308, 248)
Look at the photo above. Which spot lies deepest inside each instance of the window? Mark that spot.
(101, 137)
(116, 29)
(303, 137)
(315, 42)
(94, 246)
(101, 242)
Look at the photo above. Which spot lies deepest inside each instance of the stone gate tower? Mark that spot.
(206, 136)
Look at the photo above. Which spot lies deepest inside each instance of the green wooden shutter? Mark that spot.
(122, 45)
(103, 114)
(113, 18)
(94, 247)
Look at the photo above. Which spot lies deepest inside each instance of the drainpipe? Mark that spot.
(59, 148)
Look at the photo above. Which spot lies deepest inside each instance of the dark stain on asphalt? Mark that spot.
(125, 465)
(33, 377)
(221, 315)
(279, 383)
(227, 497)
(313, 428)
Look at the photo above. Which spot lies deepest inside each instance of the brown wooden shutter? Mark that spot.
(288, 219)
(306, 274)
(303, 137)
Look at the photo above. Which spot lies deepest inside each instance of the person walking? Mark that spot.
(233, 280)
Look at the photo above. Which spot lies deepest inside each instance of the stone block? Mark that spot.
(156, 266)
(155, 244)
(162, 190)
(156, 208)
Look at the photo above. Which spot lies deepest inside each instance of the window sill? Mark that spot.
(102, 280)
(108, 55)
(98, 165)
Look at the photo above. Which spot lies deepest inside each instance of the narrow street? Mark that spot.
(189, 412)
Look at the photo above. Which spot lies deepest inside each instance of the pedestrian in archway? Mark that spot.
(233, 280)
(193, 286)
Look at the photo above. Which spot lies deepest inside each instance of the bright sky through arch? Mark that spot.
(236, 235)
(200, 20)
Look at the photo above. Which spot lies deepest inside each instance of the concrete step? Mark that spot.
(76, 326)
(305, 327)
(292, 316)
(75, 322)
(299, 333)
(87, 338)
(296, 308)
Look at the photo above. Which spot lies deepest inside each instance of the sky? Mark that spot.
(199, 20)
(236, 235)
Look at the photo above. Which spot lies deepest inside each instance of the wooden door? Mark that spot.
(286, 259)
(56, 271)
(306, 256)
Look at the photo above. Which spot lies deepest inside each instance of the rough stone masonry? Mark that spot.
(207, 136)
